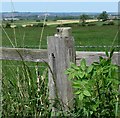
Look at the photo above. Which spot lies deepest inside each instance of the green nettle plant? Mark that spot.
(96, 88)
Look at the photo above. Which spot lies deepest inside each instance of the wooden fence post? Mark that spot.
(60, 53)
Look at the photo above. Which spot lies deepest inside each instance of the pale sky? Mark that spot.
(61, 0)
(59, 6)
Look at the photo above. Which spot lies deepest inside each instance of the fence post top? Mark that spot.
(64, 28)
(64, 32)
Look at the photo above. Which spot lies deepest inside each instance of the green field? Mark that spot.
(29, 37)
(19, 79)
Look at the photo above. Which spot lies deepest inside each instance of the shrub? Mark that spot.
(82, 24)
(60, 25)
(104, 24)
(111, 23)
(7, 25)
(96, 88)
(68, 25)
(91, 24)
(40, 25)
(37, 20)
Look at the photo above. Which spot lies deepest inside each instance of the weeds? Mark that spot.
(20, 92)
(96, 88)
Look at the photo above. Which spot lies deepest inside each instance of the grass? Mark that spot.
(20, 79)
(89, 35)
(32, 36)
(20, 89)
(94, 35)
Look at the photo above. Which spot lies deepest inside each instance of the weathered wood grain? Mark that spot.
(34, 55)
(91, 57)
(60, 54)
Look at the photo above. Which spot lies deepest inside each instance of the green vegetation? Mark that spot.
(94, 34)
(96, 88)
(25, 90)
(25, 84)
(27, 37)
(103, 16)
(84, 18)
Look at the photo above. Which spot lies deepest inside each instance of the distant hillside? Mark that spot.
(51, 15)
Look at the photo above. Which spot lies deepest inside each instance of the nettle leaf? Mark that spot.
(83, 82)
(74, 66)
(67, 72)
(106, 69)
(81, 96)
(78, 92)
(94, 107)
(90, 68)
(76, 84)
(86, 93)
(70, 70)
(71, 76)
(81, 74)
(101, 58)
(91, 112)
(107, 54)
(83, 64)
(111, 53)
(95, 63)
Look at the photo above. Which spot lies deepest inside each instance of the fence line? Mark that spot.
(21, 65)
(36, 55)
(59, 55)
(99, 46)
(76, 46)
(25, 54)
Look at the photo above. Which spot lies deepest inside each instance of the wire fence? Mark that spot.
(22, 65)
(97, 48)
(76, 46)
(10, 69)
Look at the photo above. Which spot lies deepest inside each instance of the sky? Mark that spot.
(61, 0)
(60, 6)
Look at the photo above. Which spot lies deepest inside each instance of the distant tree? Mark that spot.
(37, 20)
(84, 18)
(46, 20)
(11, 20)
(8, 25)
(103, 16)
(55, 18)
(40, 24)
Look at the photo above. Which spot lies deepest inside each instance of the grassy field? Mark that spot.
(84, 36)
(19, 79)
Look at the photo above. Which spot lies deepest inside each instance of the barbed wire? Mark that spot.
(87, 46)
(22, 65)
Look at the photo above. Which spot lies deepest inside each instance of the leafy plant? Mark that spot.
(96, 87)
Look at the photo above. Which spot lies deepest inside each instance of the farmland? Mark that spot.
(98, 35)
(20, 88)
